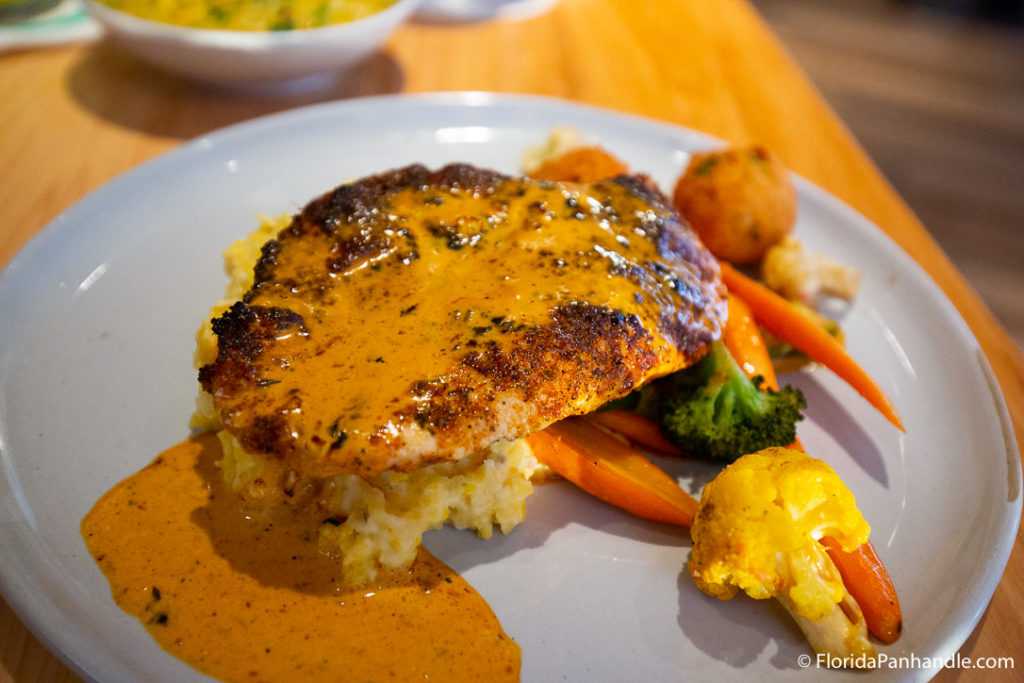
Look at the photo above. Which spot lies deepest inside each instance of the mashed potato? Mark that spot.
(375, 523)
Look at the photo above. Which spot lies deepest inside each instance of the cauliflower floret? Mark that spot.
(805, 276)
(757, 530)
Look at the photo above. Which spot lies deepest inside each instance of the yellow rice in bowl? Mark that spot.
(376, 523)
(250, 15)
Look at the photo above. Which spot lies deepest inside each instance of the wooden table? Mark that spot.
(73, 117)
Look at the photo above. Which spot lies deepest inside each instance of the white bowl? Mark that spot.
(247, 58)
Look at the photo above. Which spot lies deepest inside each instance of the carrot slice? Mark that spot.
(742, 337)
(868, 582)
(786, 322)
(640, 430)
(605, 467)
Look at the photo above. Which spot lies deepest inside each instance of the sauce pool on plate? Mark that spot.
(243, 595)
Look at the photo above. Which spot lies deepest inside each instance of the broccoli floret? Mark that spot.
(713, 410)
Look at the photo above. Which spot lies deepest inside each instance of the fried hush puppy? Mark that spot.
(739, 200)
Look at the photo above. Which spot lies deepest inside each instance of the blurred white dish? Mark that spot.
(458, 11)
(251, 57)
(67, 22)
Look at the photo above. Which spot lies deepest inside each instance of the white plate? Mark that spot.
(98, 317)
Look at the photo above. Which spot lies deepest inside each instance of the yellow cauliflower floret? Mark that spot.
(757, 530)
(759, 523)
(805, 276)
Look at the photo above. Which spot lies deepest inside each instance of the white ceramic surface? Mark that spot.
(462, 11)
(249, 58)
(99, 312)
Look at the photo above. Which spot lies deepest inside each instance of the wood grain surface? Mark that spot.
(73, 117)
(937, 100)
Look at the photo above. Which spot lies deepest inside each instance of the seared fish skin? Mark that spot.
(416, 316)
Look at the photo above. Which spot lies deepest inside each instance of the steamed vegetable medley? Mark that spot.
(251, 15)
(776, 522)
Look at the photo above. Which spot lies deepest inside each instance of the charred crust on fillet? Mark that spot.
(467, 177)
(358, 200)
(348, 252)
(357, 203)
(643, 187)
(267, 434)
(264, 270)
(242, 332)
(670, 231)
(686, 335)
(592, 350)
(242, 329)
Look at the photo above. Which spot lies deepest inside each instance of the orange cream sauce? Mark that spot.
(402, 318)
(244, 595)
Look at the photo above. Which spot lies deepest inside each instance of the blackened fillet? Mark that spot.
(417, 316)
